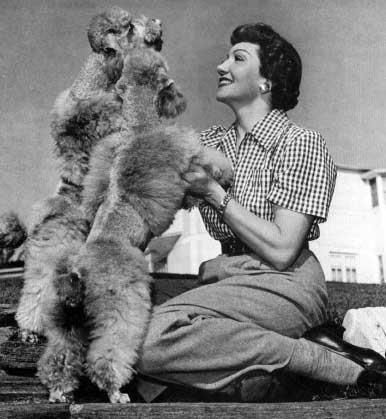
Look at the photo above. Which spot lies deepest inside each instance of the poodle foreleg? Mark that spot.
(216, 164)
(62, 363)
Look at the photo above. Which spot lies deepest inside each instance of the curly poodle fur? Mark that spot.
(59, 223)
(117, 324)
(124, 177)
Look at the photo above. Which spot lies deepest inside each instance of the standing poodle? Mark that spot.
(59, 223)
(132, 192)
(61, 364)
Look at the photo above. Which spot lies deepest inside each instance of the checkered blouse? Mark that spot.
(279, 163)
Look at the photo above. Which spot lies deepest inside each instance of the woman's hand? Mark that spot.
(202, 184)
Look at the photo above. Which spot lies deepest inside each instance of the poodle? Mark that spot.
(58, 221)
(12, 236)
(111, 264)
(59, 368)
(132, 192)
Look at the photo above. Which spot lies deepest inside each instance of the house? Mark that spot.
(351, 247)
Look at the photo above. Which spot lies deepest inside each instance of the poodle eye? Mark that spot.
(113, 31)
(131, 28)
(74, 278)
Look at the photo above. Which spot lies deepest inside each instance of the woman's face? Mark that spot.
(239, 75)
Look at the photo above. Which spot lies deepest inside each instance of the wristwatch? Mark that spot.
(223, 205)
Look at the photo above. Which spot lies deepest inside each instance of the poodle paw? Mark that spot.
(217, 173)
(27, 336)
(118, 397)
(58, 396)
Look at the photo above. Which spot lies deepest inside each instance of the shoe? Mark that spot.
(372, 361)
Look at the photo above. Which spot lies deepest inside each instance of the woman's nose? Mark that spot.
(221, 70)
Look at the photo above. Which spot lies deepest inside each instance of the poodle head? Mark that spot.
(115, 31)
(12, 231)
(148, 33)
(111, 31)
(147, 68)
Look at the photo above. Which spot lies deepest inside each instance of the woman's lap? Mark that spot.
(240, 322)
(287, 302)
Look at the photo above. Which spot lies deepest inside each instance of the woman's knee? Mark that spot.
(150, 355)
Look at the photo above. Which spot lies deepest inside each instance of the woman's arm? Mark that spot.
(277, 242)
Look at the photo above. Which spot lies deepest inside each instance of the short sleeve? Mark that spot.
(305, 179)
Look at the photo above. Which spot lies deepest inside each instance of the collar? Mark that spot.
(267, 130)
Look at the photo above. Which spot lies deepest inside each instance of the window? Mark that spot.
(161, 265)
(381, 274)
(374, 193)
(343, 267)
(384, 188)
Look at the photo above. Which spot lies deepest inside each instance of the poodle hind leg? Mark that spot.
(36, 296)
(117, 340)
(118, 308)
(62, 364)
(60, 230)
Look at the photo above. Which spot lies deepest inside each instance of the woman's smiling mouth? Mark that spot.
(222, 81)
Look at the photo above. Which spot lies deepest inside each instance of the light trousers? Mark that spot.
(246, 319)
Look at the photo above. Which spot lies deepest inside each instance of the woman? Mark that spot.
(266, 289)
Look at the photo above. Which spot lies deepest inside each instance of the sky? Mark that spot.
(43, 45)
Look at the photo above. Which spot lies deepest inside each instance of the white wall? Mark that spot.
(194, 246)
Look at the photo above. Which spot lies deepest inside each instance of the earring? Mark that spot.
(264, 88)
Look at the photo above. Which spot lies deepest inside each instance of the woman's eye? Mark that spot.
(239, 58)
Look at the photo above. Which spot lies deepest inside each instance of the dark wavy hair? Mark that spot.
(280, 62)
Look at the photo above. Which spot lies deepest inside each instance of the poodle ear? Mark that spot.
(94, 32)
(170, 102)
(114, 67)
(153, 36)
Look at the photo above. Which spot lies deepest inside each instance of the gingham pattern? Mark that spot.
(279, 163)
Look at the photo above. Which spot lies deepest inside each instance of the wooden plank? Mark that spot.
(11, 272)
(7, 315)
(5, 333)
(18, 357)
(341, 409)
(34, 411)
(21, 389)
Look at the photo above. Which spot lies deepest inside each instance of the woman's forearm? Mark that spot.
(277, 243)
(262, 236)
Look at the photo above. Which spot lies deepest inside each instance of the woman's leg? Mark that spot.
(207, 337)
(199, 348)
